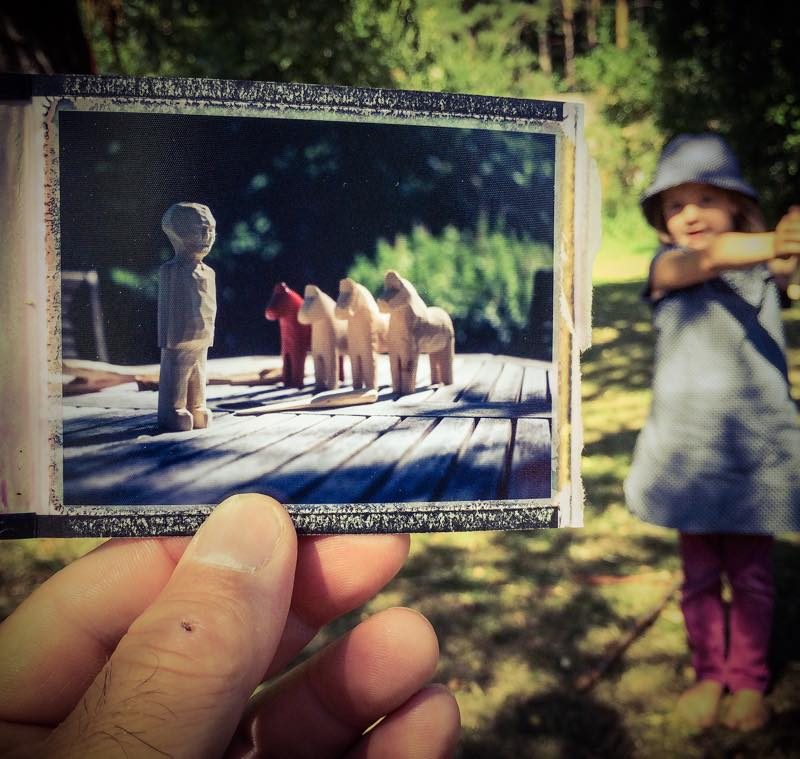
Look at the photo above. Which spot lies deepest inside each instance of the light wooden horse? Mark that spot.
(328, 337)
(366, 331)
(415, 328)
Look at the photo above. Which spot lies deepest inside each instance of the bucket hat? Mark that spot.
(701, 158)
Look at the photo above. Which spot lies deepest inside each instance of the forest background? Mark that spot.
(559, 643)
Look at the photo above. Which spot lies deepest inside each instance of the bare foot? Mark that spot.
(699, 706)
(746, 711)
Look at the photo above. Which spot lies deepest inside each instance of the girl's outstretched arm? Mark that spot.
(681, 268)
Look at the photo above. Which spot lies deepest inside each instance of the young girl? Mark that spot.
(719, 456)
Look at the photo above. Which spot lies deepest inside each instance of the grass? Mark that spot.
(524, 617)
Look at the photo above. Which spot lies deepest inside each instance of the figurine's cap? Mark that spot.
(698, 158)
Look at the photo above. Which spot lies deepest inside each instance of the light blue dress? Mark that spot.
(720, 451)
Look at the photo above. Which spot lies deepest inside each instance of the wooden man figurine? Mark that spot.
(328, 337)
(187, 306)
(295, 337)
(415, 328)
(366, 331)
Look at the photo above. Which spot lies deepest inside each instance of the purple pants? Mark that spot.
(738, 660)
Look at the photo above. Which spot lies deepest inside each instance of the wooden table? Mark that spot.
(481, 445)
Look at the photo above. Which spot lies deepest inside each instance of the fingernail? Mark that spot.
(240, 534)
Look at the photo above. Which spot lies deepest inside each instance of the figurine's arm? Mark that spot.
(212, 289)
(163, 305)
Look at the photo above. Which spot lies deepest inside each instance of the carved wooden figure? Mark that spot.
(295, 337)
(187, 307)
(328, 337)
(415, 328)
(366, 331)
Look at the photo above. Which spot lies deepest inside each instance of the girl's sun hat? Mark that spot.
(699, 158)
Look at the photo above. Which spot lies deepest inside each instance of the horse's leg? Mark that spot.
(395, 360)
(298, 367)
(436, 367)
(287, 369)
(408, 373)
(447, 360)
(320, 379)
(355, 370)
(369, 370)
(341, 367)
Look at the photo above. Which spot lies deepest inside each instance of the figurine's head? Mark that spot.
(284, 302)
(396, 293)
(191, 229)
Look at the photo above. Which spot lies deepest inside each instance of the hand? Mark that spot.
(154, 648)
(787, 234)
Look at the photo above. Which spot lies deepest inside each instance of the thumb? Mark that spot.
(178, 681)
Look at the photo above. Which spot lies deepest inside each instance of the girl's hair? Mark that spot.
(747, 218)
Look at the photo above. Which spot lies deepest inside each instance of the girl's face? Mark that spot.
(695, 214)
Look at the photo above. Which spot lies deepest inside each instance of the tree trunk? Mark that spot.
(38, 41)
(545, 61)
(568, 16)
(622, 16)
(592, 13)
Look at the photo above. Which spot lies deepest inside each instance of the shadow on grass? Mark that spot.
(623, 356)
(554, 724)
(530, 601)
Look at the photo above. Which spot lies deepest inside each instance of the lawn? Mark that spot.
(531, 624)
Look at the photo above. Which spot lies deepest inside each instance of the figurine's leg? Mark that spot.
(449, 362)
(435, 363)
(369, 370)
(298, 368)
(287, 369)
(332, 374)
(320, 380)
(196, 393)
(442, 365)
(341, 368)
(408, 374)
(172, 389)
(394, 365)
(355, 370)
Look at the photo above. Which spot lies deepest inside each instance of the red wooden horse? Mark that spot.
(295, 337)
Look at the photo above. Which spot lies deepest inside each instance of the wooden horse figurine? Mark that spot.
(366, 331)
(328, 337)
(295, 337)
(415, 328)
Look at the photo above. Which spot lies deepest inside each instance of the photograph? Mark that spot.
(329, 312)
(364, 303)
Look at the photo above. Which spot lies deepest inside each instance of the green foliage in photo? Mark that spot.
(482, 278)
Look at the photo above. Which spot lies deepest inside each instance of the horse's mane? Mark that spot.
(322, 302)
(415, 302)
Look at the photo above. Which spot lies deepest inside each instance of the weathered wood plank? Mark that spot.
(420, 470)
(508, 384)
(530, 472)
(76, 420)
(535, 385)
(126, 470)
(125, 426)
(115, 445)
(480, 468)
(506, 410)
(215, 472)
(248, 472)
(350, 484)
(465, 372)
(325, 463)
(481, 385)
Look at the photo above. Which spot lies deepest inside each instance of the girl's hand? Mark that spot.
(154, 647)
(787, 234)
